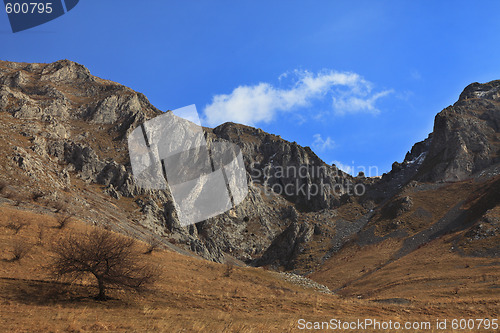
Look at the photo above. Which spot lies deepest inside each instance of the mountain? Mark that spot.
(65, 136)
(466, 136)
(436, 215)
(64, 147)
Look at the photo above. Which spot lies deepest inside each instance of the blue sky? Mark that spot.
(359, 82)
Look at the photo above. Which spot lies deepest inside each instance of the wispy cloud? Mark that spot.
(263, 102)
(320, 144)
(354, 104)
(415, 75)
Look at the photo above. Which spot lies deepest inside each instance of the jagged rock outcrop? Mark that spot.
(286, 168)
(401, 174)
(397, 207)
(489, 226)
(65, 90)
(65, 130)
(465, 141)
(285, 248)
(466, 136)
(78, 124)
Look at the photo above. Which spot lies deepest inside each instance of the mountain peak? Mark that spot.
(489, 90)
(66, 90)
(466, 135)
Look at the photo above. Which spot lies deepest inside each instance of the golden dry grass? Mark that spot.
(432, 279)
(192, 295)
(437, 275)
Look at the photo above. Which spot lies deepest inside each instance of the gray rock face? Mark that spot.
(76, 114)
(287, 246)
(466, 135)
(400, 175)
(465, 141)
(485, 232)
(67, 91)
(286, 168)
(490, 90)
(110, 190)
(397, 207)
(489, 227)
(76, 126)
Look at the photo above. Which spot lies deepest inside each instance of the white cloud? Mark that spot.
(415, 75)
(321, 144)
(355, 104)
(263, 102)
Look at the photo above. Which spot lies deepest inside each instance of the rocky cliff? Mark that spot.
(466, 135)
(75, 127)
(63, 137)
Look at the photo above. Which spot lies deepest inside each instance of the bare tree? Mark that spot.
(63, 221)
(19, 250)
(153, 244)
(40, 233)
(16, 225)
(109, 257)
(229, 267)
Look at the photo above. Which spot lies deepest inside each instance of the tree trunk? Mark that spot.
(102, 290)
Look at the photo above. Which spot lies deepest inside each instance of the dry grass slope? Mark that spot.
(192, 295)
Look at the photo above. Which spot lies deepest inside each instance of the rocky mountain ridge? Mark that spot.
(79, 121)
(64, 134)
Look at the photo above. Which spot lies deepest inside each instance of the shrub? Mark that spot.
(229, 267)
(19, 250)
(63, 221)
(40, 233)
(153, 244)
(16, 226)
(108, 257)
(14, 196)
